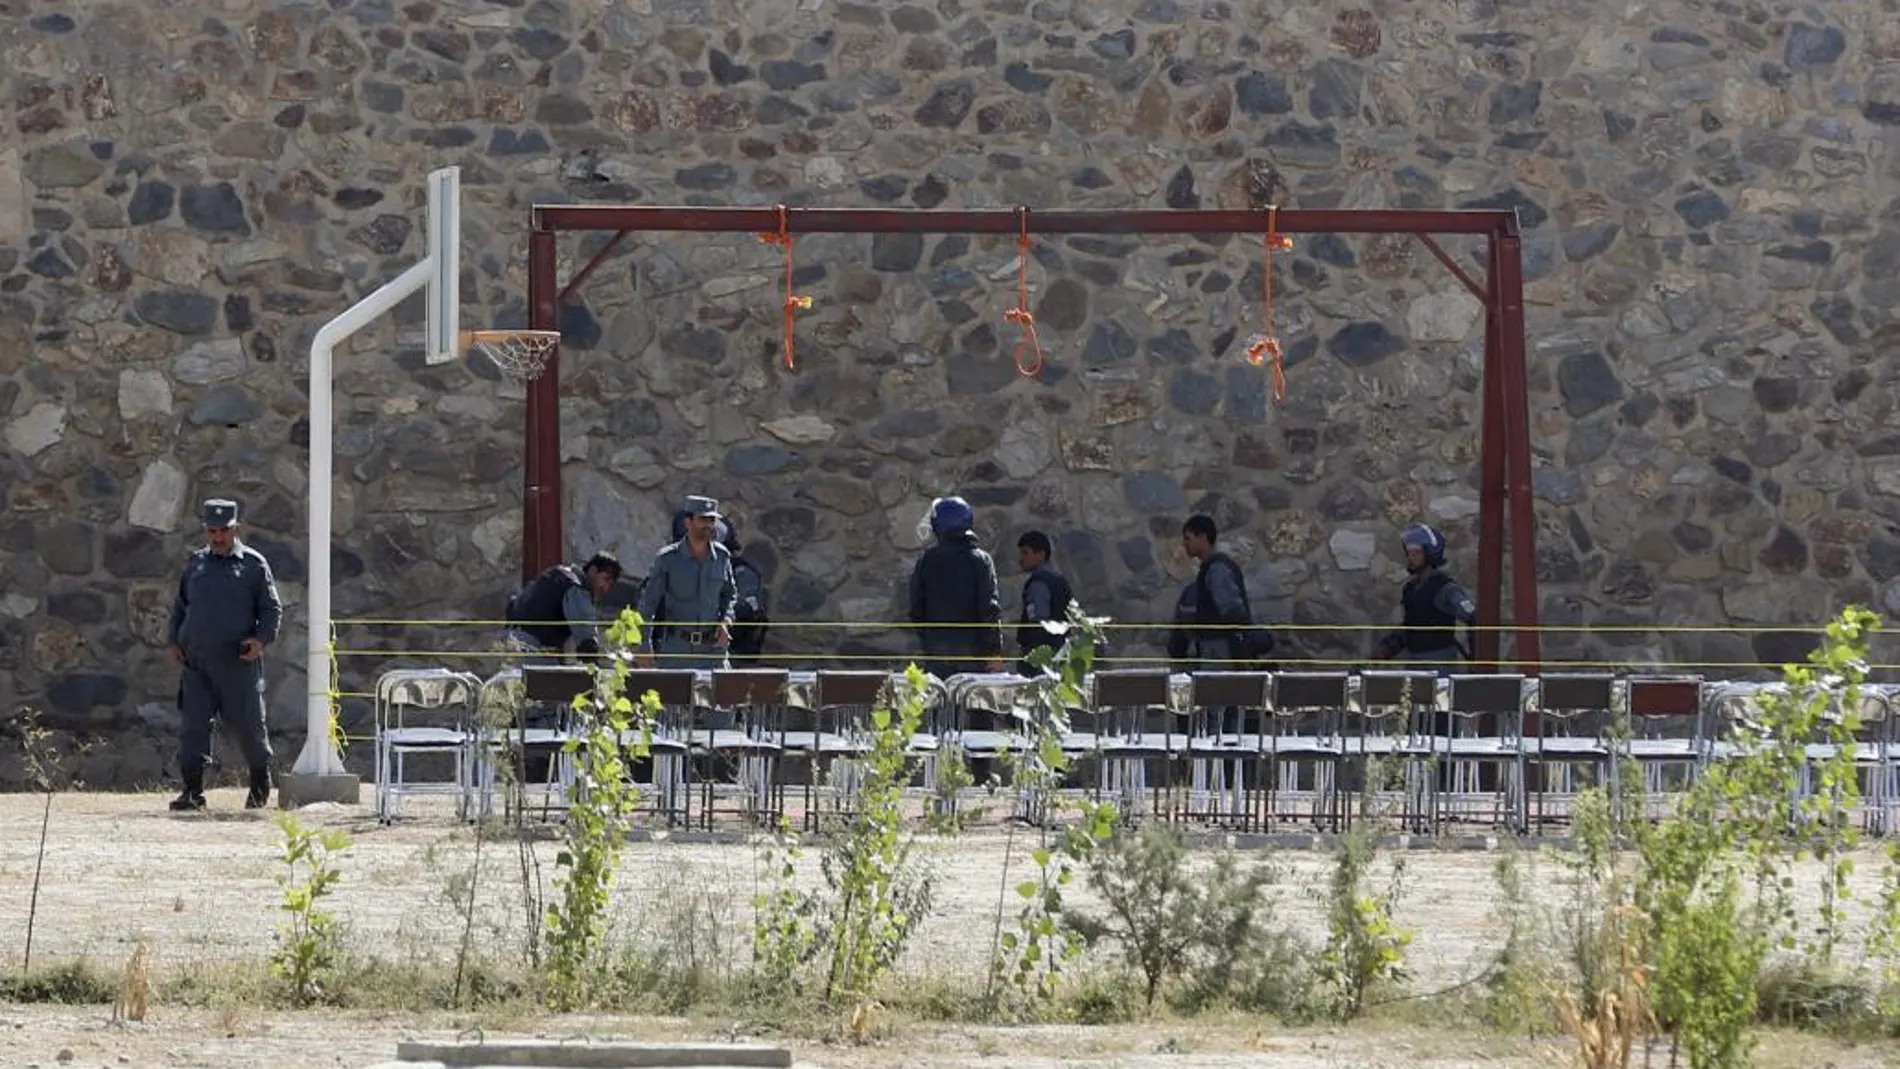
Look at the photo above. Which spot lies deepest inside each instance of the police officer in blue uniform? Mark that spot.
(1433, 605)
(954, 582)
(559, 604)
(1046, 596)
(690, 595)
(225, 614)
(751, 609)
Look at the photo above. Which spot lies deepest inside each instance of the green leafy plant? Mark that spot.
(1034, 957)
(309, 942)
(1744, 823)
(1883, 937)
(612, 730)
(1365, 946)
(875, 893)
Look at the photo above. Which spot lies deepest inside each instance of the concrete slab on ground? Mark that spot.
(611, 1055)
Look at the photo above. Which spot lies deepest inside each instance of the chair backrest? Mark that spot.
(750, 687)
(1657, 698)
(1575, 694)
(673, 686)
(1222, 690)
(1487, 695)
(1309, 691)
(427, 688)
(1122, 688)
(1398, 690)
(556, 682)
(850, 687)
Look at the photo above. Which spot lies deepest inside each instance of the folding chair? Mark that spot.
(1576, 721)
(429, 712)
(1402, 706)
(1485, 714)
(1666, 729)
(1135, 706)
(668, 753)
(756, 697)
(1226, 744)
(831, 734)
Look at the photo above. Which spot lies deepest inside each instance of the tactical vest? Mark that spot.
(1428, 629)
(1031, 634)
(1224, 643)
(536, 611)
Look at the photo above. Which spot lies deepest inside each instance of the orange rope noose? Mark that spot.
(1020, 314)
(793, 302)
(1269, 343)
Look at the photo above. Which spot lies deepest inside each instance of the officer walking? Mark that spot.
(1046, 596)
(559, 604)
(226, 612)
(954, 582)
(689, 596)
(1433, 605)
(1225, 635)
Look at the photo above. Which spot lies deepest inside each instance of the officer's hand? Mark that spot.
(994, 664)
(175, 655)
(251, 649)
(644, 660)
(722, 635)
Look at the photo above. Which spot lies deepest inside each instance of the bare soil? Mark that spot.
(202, 890)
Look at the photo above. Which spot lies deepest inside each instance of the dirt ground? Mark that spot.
(202, 889)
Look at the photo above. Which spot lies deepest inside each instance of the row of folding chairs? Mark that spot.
(1241, 750)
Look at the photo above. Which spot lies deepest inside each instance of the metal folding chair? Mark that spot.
(428, 713)
(1304, 715)
(1576, 722)
(1135, 708)
(756, 697)
(1226, 745)
(1486, 719)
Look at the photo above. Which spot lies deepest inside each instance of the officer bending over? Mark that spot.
(1434, 605)
(1046, 596)
(559, 603)
(226, 612)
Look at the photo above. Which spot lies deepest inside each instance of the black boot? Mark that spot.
(260, 789)
(192, 798)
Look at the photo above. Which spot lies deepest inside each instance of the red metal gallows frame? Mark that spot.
(1505, 471)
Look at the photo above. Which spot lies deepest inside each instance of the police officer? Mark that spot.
(559, 604)
(1433, 605)
(750, 609)
(1224, 635)
(954, 582)
(225, 613)
(689, 596)
(1046, 596)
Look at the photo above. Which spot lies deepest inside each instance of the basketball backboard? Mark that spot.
(445, 252)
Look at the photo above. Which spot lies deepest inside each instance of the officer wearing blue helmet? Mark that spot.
(954, 582)
(1433, 604)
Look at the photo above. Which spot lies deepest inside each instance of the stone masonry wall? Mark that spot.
(1710, 192)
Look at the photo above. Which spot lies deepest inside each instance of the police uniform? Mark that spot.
(1046, 596)
(223, 599)
(554, 606)
(687, 599)
(1432, 605)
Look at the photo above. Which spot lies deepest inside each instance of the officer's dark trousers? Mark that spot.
(227, 689)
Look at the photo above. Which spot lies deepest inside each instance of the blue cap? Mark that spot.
(219, 513)
(700, 506)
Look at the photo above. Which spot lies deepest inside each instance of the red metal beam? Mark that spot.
(1490, 478)
(541, 537)
(566, 217)
(1516, 409)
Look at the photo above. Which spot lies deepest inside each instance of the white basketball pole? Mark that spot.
(320, 756)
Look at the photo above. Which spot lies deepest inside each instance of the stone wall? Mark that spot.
(1710, 192)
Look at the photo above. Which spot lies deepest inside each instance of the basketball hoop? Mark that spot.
(518, 354)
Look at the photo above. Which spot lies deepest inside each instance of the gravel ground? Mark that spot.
(201, 888)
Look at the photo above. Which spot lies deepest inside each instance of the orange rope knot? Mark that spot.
(793, 302)
(1269, 344)
(1027, 339)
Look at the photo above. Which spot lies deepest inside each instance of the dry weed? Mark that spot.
(1609, 1024)
(135, 987)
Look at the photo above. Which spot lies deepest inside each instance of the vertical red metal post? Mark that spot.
(1490, 477)
(1515, 407)
(541, 536)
